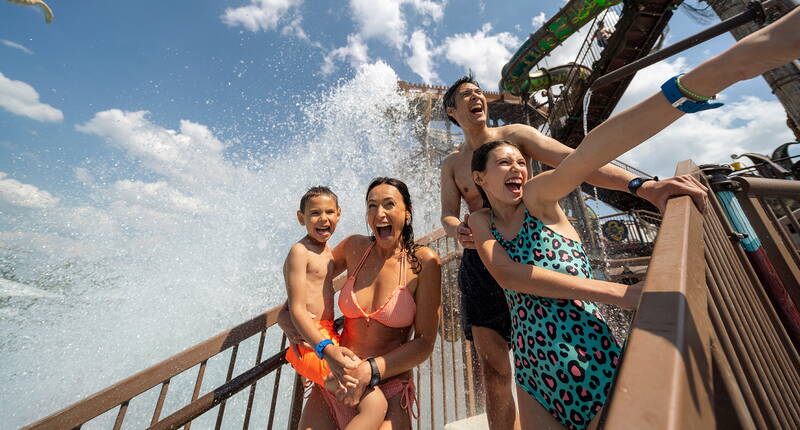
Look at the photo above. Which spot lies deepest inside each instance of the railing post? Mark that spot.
(297, 403)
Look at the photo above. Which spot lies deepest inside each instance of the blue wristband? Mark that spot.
(321, 347)
(679, 101)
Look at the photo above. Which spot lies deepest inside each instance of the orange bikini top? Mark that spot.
(399, 309)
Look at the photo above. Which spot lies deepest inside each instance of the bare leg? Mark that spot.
(396, 417)
(316, 415)
(532, 415)
(497, 378)
(371, 411)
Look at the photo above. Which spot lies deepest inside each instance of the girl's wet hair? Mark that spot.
(481, 156)
(407, 235)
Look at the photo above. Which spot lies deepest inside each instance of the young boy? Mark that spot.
(309, 271)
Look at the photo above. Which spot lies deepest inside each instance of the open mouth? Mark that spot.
(323, 231)
(514, 185)
(384, 231)
(476, 109)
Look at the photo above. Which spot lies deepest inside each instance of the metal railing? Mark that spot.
(588, 54)
(707, 347)
(445, 382)
(773, 208)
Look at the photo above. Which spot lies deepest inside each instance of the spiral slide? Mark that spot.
(574, 15)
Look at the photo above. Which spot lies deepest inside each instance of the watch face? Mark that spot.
(634, 184)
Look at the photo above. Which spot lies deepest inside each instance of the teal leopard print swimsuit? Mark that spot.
(565, 356)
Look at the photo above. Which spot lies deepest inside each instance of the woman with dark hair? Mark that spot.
(390, 302)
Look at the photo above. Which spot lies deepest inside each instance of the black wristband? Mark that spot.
(375, 379)
(635, 183)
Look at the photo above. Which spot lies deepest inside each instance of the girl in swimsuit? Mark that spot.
(565, 357)
(390, 302)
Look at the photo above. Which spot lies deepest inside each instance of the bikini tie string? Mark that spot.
(408, 400)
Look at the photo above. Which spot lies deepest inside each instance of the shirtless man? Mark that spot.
(485, 314)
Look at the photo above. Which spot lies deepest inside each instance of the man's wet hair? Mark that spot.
(317, 191)
(449, 99)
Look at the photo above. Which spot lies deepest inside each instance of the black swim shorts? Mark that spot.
(483, 303)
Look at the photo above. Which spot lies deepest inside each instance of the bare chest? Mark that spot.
(320, 269)
(462, 174)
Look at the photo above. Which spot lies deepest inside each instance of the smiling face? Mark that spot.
(320, 217)
(505, 173)
(386, 215)
(470, 105)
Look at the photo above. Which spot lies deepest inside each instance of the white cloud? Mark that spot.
(24, 195)
(482, 53)
(159, 195)
(385, 20)
(15, 45)
(190, 155)
(295, 28)
(420, 60)
(355, 51)
(259, 14)
(538, 20)
(20, 98)
(748, 124)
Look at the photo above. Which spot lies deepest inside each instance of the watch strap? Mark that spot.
(375, 379)
(636, 183)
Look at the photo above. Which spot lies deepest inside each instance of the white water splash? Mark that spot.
(144, 268)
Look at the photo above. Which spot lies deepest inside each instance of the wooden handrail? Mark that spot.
(123, 391)
(669, 344)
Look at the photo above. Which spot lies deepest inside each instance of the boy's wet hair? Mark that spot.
(317, 191)
(449, 99)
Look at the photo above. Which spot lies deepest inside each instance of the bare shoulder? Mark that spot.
(298, 255)
(447, 162)
(356, 243)
(514, 131)
(298, 250)
(427, 256)
(479, 217)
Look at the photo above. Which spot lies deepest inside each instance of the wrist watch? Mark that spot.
(635, 183)
(375, 379)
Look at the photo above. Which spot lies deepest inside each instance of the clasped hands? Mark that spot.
(349, 375)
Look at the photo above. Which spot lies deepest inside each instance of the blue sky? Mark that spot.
(235, 66)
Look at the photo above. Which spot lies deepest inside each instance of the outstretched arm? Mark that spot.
(528, 279)
(547, 150)
(763, 50)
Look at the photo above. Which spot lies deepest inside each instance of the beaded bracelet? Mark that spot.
(690, 93)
